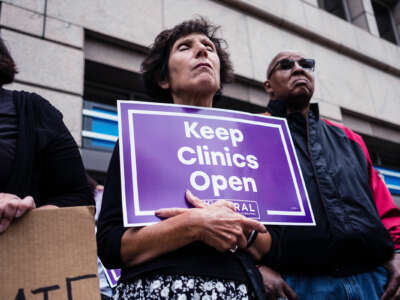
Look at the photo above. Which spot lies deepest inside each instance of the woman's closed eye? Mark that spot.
(183, 46)
(209, 47)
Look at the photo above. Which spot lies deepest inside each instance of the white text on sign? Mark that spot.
(202, 155)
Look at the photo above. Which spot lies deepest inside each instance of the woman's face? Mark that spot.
(194, 67)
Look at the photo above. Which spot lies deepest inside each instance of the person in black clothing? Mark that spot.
(185, 255)
(344, 255)
(40, 161)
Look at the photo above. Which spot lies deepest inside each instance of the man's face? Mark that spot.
(295, 84)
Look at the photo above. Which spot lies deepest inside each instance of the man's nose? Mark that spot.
(297, 68)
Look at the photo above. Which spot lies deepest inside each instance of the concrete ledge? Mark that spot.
(46, 63)
(64, 32)
(330, 111)
(21, 19)
(113, 55)
(133, 21)
(95, 160)
(372, 128)
(323, 28)
(35, 5)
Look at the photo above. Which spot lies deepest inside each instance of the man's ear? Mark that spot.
(268, 88)
(164, 84)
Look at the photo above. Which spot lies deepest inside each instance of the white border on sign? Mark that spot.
(122, 164)
(139, 212)
(121, 102)
(110, 280)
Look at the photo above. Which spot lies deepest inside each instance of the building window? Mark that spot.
(385, 21)
(385, 157)
(383, 153)
(104, 85)
(336, 7)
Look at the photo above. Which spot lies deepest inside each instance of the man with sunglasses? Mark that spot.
(349, 253)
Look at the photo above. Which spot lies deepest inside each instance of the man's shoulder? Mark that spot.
(350, 134)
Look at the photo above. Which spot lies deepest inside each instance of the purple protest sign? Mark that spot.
(112, 276)
(217, 154)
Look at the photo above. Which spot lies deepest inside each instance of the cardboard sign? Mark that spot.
(217, 154)
(50, 254)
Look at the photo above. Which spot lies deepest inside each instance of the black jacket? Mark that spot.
(349, 236)
(48, 164)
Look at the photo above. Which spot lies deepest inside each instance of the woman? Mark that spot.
(40, 161)
(185, 255)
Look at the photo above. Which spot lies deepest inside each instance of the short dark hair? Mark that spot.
(155, 65)
(8, 69)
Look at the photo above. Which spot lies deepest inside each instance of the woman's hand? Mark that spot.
(217, 225)
(11, 206)
(195, 201)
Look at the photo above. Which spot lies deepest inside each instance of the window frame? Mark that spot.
(347, 15)
(392, 21)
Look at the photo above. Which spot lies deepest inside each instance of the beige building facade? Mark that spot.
(79, 53)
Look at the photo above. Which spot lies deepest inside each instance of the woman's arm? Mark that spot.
(143, 244)
(261, 246)
(216, 225)
(63, 179)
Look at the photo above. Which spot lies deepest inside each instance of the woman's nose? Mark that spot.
(201, 50)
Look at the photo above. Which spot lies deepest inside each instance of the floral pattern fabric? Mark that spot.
(182, 287)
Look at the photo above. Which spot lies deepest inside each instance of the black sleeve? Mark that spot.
(64, 178)
(64, 182)
(110, 224)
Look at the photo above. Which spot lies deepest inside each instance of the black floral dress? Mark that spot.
(182, 287)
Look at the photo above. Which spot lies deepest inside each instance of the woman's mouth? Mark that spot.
(201, 65)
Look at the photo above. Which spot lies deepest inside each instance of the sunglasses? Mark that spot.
(307, 64)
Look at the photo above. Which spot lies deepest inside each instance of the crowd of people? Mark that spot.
(211, 251)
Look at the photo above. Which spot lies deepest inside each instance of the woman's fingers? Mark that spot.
(165, 213)
(8, 210)
(241, 241)
(11, 206)
(232, 240)
(222, 241)
(195, 201)
(24, 205)
(228, 204)
(171, 212)
(251, 224)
